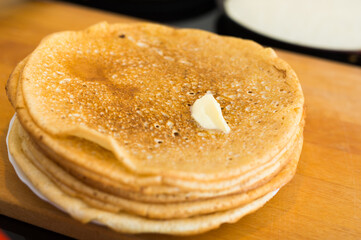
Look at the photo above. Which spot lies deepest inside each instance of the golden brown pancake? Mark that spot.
(125, 222)
(104, 128)
(113, 203)
(180, 195)
(80, 152)
(131, 95)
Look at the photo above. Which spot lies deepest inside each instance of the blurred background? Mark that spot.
(324, 28)
(329, 29)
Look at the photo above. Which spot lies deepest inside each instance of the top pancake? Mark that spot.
(98, 164)
(129, 87)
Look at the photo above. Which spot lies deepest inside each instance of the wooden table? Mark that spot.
(323, 201)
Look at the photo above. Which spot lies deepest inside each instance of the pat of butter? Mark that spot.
(208, 114)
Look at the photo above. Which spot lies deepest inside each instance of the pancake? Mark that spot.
(118, 189)
(248, 184)
(147, 78)
(108, 202)
(122, 221)
(104, 128)
(159, 195)
(81, 152)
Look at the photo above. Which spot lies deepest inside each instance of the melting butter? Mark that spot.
(208, 114)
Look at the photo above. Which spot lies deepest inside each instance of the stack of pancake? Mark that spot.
(104, 128)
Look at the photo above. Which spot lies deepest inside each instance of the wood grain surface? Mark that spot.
(323, 201)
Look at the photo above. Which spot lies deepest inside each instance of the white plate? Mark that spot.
(333, 25)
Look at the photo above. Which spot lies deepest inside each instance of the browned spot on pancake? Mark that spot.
(91, 72)
(88, 71)
(123, 91)
(282, 71)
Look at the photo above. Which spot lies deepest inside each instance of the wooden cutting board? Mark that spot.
(323, 201)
